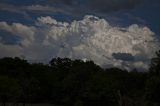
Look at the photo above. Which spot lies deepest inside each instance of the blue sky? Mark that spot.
(25, 24)
(128, 11)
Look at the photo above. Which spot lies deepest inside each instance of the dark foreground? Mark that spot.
(66, 82)
(20, 104)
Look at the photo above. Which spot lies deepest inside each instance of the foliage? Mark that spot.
(10, 90)
(69, 82)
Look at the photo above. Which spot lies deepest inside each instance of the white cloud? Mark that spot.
(9, 50)
(47, 20)
(50, 21)
(26, 33)
(91, 38)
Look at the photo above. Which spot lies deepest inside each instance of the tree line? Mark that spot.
(66, 82)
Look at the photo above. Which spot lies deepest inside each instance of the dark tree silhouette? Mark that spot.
(10, 90)
(155, 65)
(69, 82)
(153, 81)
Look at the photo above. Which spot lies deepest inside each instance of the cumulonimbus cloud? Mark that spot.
(92, 38)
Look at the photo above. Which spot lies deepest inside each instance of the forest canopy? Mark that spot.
(69, 82)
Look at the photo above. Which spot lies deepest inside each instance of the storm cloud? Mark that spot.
(91, 38)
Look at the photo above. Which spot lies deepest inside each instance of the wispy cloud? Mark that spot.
(45, 8)
(12, 8)
(72, 7)
(101, 5)
(113, 5)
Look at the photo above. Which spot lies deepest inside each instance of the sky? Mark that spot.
(112, 33)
